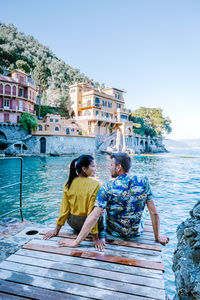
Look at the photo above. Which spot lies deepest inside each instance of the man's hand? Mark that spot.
(163, 240)
(99, 244)
(50, 234)
(68, 243)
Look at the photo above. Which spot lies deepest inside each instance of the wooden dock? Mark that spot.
(127, 269)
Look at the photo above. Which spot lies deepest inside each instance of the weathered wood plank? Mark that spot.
(31, 292)
(139, 239)
(83, 280)
(120, 269)
(69, 287)
(84, 270)
(97, 256)
(4, 296)
(109, 250)
(114, 241)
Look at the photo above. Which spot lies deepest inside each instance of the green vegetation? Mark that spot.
(15, 46)
(151, 120)
(22, 65)
(28, 121)
(45, 109)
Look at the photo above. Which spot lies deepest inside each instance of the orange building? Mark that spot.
(99, 112)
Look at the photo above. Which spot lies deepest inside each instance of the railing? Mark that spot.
(13, 184)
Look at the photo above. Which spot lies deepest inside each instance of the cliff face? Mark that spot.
(186, 262)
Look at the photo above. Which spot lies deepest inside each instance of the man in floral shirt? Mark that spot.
(124, 199)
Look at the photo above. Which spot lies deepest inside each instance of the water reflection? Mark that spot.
(174, 181)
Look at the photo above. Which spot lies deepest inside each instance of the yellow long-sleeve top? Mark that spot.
(79, 199)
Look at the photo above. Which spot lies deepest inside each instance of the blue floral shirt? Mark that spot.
(124, 199)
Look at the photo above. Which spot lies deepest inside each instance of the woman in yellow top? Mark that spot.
(79, 194)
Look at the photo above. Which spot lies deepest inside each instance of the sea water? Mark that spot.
(174, 179)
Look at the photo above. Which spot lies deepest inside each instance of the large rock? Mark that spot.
(186, 261)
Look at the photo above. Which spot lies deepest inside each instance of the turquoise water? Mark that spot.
(174, 179)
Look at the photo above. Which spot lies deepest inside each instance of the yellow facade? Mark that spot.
(99, 112)
(56, 125)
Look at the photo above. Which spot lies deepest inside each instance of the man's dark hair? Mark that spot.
(122, 159)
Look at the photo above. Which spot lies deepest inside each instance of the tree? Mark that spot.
(28, 121)
(152, 121)
(41, 76)
(23, 65)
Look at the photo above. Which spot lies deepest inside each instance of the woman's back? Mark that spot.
(81, 195)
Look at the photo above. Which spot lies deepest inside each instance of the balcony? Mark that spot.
(96, 118)
(90, 105)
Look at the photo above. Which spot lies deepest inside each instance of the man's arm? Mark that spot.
(89, 223)
(162, 239)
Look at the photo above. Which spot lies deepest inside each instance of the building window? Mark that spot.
(40, 127)
(104, 103)
(110, 104)
(89, 123)
(21, 92)
(51, 120)
(7, 89)
(56, 128)
(107, 115)
(72, 129)
(67, 130)
(73, 91)
(97, 102)
(6, 103)
(1, 88)
(14, 90)
(21, 105)
(56, 120)
(97, 112)
(118, 105)
(117, 96)
(124, 117)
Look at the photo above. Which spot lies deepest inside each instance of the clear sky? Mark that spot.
(150, 48)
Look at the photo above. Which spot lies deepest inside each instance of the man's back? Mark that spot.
(124, 199)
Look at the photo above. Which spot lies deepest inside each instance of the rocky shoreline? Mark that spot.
(186, 261)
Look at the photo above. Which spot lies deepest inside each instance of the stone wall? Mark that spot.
(186, 261)
(16, 141)
(54, 145)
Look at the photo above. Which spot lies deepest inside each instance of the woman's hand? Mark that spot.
(99, 244)
(50, 234)
(68, 243)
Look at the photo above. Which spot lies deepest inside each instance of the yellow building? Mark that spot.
(99, 112)
(56, 125)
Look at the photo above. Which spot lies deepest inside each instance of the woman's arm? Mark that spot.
(64, 212)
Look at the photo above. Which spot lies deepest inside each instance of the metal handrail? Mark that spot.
(20, 182)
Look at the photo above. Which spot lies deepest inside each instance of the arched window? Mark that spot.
(40, 128)
(56, 128)
(14, 90)
(67, 130)
(7, 89)
(1, 88)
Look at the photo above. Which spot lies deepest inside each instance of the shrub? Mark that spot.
(28, 121)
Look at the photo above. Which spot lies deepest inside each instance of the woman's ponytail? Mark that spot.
(76, 167)
(72, 173)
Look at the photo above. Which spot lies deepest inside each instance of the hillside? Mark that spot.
(15, 45)
(184, 143)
